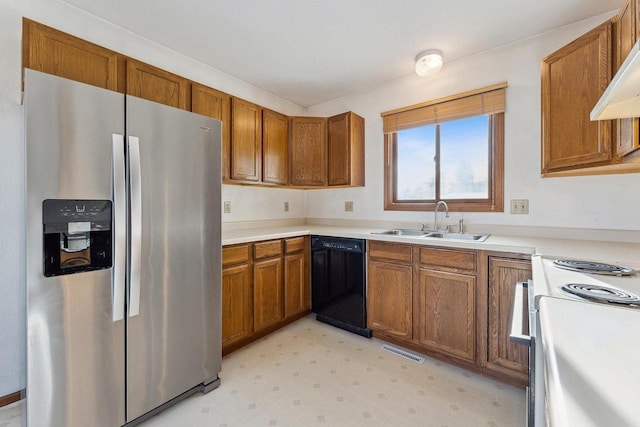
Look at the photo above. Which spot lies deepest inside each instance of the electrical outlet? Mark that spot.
(227, 206)
(519, 206)
(286, 206)
(348, 206)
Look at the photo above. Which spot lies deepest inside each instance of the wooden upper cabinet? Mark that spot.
(275, 147)
(54, 52)
(246, 140)
(573, 79)
(346, 149)
(216, 104)
(151, 83)
(308, 151)
(268, 300)
(626, 36)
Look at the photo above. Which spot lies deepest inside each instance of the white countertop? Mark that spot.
(592, 353)
(616, 252)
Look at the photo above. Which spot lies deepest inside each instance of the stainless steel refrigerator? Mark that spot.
(123, 254)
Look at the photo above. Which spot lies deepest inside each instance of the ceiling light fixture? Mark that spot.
(428, 62)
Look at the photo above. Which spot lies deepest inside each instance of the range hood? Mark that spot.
(621, 99)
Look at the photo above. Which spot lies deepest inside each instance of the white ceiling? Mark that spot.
(312, 51)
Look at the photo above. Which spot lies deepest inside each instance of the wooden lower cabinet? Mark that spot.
(237, 295)
(296, 284)
(389, 298)
(503, 356)
(267, 293)
(445, 312)
(265, 285)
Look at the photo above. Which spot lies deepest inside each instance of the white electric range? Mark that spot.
(549, 278)
(585, 349)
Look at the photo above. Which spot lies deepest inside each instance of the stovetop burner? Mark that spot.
(601, 293)
(593, 267)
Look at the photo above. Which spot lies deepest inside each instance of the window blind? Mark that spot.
(488, 100)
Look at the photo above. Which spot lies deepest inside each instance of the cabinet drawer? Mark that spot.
(268, 249)
(235, 255)
(295, 244)
(390, 251)
(463, 260)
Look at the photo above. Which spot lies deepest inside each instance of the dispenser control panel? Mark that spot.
(77, 235)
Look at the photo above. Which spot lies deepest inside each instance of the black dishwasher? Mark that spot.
(338, 294)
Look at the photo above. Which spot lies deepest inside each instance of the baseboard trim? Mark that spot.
(11, 398)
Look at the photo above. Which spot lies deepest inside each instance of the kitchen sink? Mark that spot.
(402, 232)
(458, 236)
(433, 234)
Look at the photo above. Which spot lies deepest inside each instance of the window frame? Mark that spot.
(495, 200)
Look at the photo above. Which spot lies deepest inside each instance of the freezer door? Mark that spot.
(173, 319)
(75, 348)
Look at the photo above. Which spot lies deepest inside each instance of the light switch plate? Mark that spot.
(519, 206)
(286, 206)
(227, 206)
(348, 206)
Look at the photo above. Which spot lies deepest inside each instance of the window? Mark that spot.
(449, 149)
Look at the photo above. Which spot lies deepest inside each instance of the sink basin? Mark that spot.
(401, 232)
(458, 236)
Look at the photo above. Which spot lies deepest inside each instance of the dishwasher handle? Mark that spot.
(519, 312)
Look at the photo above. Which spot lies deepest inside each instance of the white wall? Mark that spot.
(609, 202)
(259, 202)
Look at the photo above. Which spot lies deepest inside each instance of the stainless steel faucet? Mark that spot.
(435, 213)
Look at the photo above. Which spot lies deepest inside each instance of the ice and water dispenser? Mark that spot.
(77, 236)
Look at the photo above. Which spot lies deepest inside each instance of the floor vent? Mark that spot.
(403, 353)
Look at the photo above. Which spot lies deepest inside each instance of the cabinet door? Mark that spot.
(627, 129)
(445, 308)
(237, 304)
(308, 151)
(296, 284)
(573, 79)
(216, 104)
(346, 149)
(54, 52)
(504, 355)
(246, 140)
(148, 82)
(267, 293)
(389, 298)
(275, 147)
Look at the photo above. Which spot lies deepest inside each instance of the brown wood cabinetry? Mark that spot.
(503, 356)
(275, 147)
(626, 36)
(246, 140)
(259, 146)
(308, 151)
(445, 302)
(216, 104)
(237, 295)
(573, 79)
(268, 303)
(54, 52)
(297, 290)
(346, 149)
(152, 83)
(390, 289)
(265, 285)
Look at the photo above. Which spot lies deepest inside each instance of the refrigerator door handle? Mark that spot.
(120, 227)
(135, 225)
